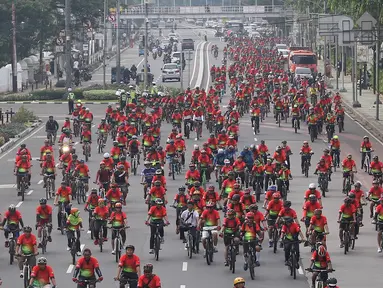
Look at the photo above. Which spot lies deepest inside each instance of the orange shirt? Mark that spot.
(44, 212)
(87, 267)
(42, 276)
(144, 282)
(157, 213)
(348, 164)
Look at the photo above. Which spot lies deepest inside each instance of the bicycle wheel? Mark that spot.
(306, 167)
(251, 265)
(233, 255)
(47, 189)
(101, 239)
(73, 252)
(207, 252)
(190, 246)
(134, 166)
(26, 276)
(157, 245)
(22, 189)
(83, 196)
(44, 242)
(79, 192)
(117, 248)
(294, 265)
(346, 242)
(275, 240)
(11, 252)
(173, 170)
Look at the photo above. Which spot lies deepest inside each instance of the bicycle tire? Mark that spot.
(26, 276)
(11, 252)
(295, 126)
(208, 244)
(22, 189)
(251, 265)
(134, 166)
(79, 195)
(173, 170)
(346, 242)
(233, 258)
(294, 266)
(275, 240)
(83, 196)
(190, 246)
(157, 246)
(44, 242)
(117, 248)
(306, 167)
(101, 240)
(47, 194)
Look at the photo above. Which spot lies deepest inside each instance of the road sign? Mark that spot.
(346, 36)
(328, 26)
(366, 25)
(59, 41)
(112, 18)
(59, 49)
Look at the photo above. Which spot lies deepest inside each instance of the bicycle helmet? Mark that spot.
(239, 280)
(42, 260)
(130, 247)
(12, 208)
(148, 268)
(332, 282)
(118, 205)
(94, 191)
(43, 201)
(27, 229)
(158, 172)
(250, 215)
(321, 250)
(312, 186)
(182, 188)
(277, 195)
(159, 201)
(230, 212)
(106, 155)
(101, 201)
(287, 204)
(236, 197)
(358, 184)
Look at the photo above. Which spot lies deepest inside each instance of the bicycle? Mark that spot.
(100, 234)
(275, 236)
(321, 278)
(306, 164)
(189, 243)
(293, 259)
(27, 269)
(50, 186)
(157, 239)
(323, 183)
(251, 258)
(44, 239)
(100, 143)
(313, 133)
(232, 253)
(347, 186)
(278, 117)
(284, 189)
(198, 129)
(63, 218)
(23, 184)
(348, 241)
(127, 282)
(87, 283)
(12, 238)
(73, 247)
(118, 241)
(335, 158)
(209, 251)
(80, 185)
(134, 163)
(367, 161)
(86, 150)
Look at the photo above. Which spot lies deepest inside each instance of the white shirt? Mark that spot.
(75, 64)
(193, 218)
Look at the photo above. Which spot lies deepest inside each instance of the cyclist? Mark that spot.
(22, 168)
(103, 176)
(51, 128)
(26, 248)
(119, 221)
(272, 211)
(134, 148)
(42, 275)
(156, 192)
(320, 260)
(230, 230)
(147, 175)
(48, 169)
(374, 194)
(189, 221)
(86, 137)
(157, 215)
(43, 217)
(101, 214)
(313, 191)
(349, 168)
(289, 233)
(171, 151)
(74, 223)
(249, 232)
(86, 268)
(11, 222)
(148, 279)
(318, 224)
(82, 171)
(376, 167)
(64, 197)
(306, 153)
(129, 268)
(239, 282)
(379, 218)
(210, 218)
(335, 148)
(365, 149)
(331, 283)
(346, 218)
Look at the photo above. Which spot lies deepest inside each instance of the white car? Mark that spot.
(164, 43)
(284, 52)
(176, 56)
(281, 46)
(171, 71)
(303, 72)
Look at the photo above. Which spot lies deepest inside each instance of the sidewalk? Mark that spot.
(364, 115)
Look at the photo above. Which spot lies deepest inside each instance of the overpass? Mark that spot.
(204, 12)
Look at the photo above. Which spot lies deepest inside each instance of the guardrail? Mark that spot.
(188, 10)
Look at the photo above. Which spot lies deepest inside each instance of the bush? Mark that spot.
(100, 95)
(41, 95)
(2, 140)
(10, 130)
(23, 116)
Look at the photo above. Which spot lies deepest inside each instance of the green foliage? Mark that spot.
(23, 116)
(2, 140)
(100, 95)
(10, 130)
(40, 95)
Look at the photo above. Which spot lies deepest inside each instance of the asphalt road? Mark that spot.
(174, 268)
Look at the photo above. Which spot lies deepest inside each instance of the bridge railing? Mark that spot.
(188, 10)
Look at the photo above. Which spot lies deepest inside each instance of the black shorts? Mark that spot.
(345, 222)
(271, 220)
(227, 238)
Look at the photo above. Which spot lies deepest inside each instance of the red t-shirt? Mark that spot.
(129, 264)
(154, 282)
(211, 217)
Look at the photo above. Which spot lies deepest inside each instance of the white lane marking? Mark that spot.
(200, 70)
(361, 126)
(195, 63)
(138, 65)
(82, 247)
(41, 181)
(88, 232)
(70, 269)
(41, 137)
(300, 271)
(182, 286)
(57, 165)
(93, 125)
(208, 69)
(3, 186)
(75, 143)
(19, 204)
(23, 140)
(30, 192)
(185, 266)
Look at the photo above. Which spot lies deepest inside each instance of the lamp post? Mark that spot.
(104, 42)
(14, 54)
(118, 55)
(68, 46)
(146, 46)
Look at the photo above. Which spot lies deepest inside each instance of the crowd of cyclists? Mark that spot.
(254, 78)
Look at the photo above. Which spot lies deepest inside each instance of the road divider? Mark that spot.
(201, 65)
(207, 70)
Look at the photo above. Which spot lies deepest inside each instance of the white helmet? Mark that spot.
(312, 186)
(196, 147)
(220, 151)
(106, 155)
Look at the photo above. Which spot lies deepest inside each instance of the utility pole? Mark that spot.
(146, 46)
(68, 46)
(181, 70)
(377, 61)
(104, 41)
(118, 56)
(14, 54)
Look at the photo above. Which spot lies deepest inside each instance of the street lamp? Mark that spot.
(14, 54)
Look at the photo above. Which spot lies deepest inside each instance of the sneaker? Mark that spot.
(6, 244)
(162, 240)
(105, 239)
(270, 244)
(341, 245)
(95, 242)
(226, 264)
(49, 239)
(245, 266)
(379, 250)
(257, 263)
(151, 251)
(114, 252)
(67, 248)
(184, 241)
(21, 274)
(78, 253)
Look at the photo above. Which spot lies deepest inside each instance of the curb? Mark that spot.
(45, 102)
(362, 120)
(26, 132)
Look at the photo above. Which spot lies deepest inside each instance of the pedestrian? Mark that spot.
(70, 98)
